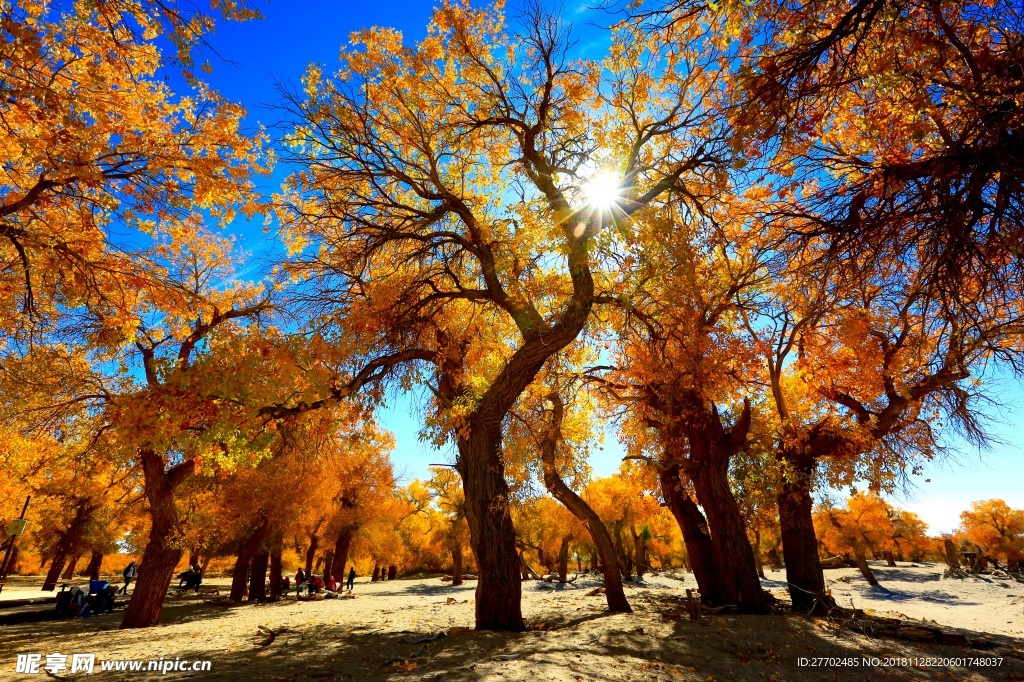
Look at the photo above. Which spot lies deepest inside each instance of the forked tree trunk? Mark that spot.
(456, 549)
(95, 562)
(563, 560)
(799, 544)
(161, 555)
(246, 552)
(491, 533)
(342, 544)
(275, 569)
(696, 536)
(614, 593)
(258, 576)
(711, 449)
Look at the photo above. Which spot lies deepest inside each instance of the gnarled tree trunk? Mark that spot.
(492, 535)
(161, 554)
(696, 535)
(799, 543)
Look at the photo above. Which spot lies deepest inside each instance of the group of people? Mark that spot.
(314, 584)
(192, 578)
(76, 603)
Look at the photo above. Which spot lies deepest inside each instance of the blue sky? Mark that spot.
(256, 55)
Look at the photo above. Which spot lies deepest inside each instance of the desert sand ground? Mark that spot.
(572, 637)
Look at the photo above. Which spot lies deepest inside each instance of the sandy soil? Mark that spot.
(574, 638)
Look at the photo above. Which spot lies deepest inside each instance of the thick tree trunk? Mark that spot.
(492, 535)
(258, 576)
(206, 562)
(890, 560)
(161, 555)
(614, 593)
(799, 543)
(696, 536)
(563, 560)
(376, 573)
(342, 544)
(392, 572)
(275, 570)
(95, 562)
(456, 548)
(730, 547)
(328, 565)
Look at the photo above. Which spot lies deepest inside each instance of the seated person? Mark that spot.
(286, 585)
(184, 577)
(332, 584)
(316, 585)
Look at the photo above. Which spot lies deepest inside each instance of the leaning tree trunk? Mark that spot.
(69, 573)
(161, 554)
(93, 569)
(696, 536)
(275, 569)
(314, 542)
(341, 548)
(258, 576)
(491, 533)
(862, 565)
(614, 593)
(66, 543)
(799, 543)
(563, 560)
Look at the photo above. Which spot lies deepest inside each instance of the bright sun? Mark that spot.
(603, 191)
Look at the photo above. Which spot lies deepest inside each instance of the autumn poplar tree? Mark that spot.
(455, 174)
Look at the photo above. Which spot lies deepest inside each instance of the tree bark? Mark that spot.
(70, 572)
(711, 449)
(243, 561)
(341, 548)
(95, 562)
(314, 541)
(328, 564)
(376, 573)
(258, 576)
(862, 564)
(756, 546)
(67, 541)
(161, 554)
(615, 595)
(275, 570)
(799, 544)
(456, 549)
(890, 560)
(491, 533)
(392, 572)
(696, 535)
(563, 560)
